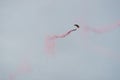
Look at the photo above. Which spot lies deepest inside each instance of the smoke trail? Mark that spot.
(50, 44)
(105, 28)
(12, 76)
(86, 32)
(50, 40)
(22, 68)
(102, 29)
(86, 29)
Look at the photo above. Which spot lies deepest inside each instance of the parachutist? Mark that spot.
(77, 25)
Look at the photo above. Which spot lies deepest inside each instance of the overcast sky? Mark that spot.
(24, 25)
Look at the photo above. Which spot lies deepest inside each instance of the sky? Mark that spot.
(82, 55)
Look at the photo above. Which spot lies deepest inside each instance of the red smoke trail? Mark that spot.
(103, 29)
(12, 76)
(22, 68)
(50, 40)
(49, 44)
(86, 29)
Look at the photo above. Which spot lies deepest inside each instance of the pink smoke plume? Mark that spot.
(101, 49)
(23, 68)
(50, 40)
(12, 76)
(49, 44)
(103, 29)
